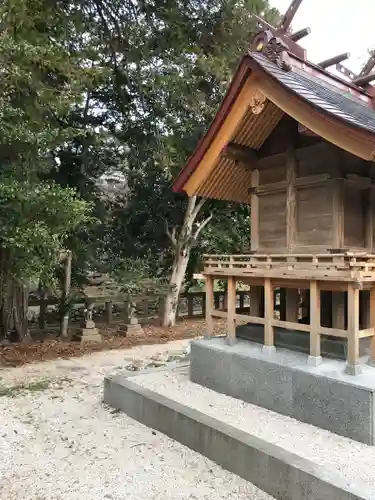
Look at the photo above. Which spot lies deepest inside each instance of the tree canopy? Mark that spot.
(101, 103)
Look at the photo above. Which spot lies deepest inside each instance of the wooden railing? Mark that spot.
(331, 265)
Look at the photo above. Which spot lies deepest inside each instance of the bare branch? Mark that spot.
(171, 235)
(198, 207)
(202, 225)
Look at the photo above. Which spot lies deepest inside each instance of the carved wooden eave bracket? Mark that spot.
(258, 102)
(274, 48)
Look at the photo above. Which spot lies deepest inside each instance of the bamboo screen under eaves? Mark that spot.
(230, 180)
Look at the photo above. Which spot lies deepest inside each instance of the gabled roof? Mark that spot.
(262, 91)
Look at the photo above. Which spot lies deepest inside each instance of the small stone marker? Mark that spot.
(89, 332)
(133, 329)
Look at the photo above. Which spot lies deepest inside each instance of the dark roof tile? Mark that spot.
(320, 93)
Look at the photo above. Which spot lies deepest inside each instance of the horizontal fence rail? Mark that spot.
(43, 311)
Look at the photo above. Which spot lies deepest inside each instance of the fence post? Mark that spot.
(190, 305)
(42, 307)
(161, 309)
(242, 299)
(203, 305)
(108, 311)
(66, 291)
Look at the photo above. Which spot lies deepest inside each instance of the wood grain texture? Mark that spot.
(268, 313)
(231, 334)
(353, 325)
(314, 216)
(272, 221)
(254, 212)
(291, 214)
(354, 218)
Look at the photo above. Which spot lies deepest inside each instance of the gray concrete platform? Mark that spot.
(278, 472)
(284, 382)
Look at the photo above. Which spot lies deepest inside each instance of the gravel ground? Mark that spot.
(58, 441)
(356, 461)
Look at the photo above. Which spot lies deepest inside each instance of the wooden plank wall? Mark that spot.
(323, 220)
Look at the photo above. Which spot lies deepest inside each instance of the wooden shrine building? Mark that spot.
(297, 143)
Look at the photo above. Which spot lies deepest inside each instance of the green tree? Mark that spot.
(39, 81)
(181, 56)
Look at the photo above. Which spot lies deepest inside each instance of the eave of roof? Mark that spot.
(250, 64)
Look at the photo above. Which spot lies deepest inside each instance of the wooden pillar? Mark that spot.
(372, 325)
(254, 211)
(369, 219)
(315, 358)
(209, 288)
(269, 346)
(231, 335)
(353, 367)
(338, 310)
(338, 214)
(291, 305)
(291, 212)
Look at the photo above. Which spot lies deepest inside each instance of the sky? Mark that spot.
(336, 26)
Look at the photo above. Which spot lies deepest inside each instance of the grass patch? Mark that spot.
(39, 386)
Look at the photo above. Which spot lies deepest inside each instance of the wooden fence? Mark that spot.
(43, 311)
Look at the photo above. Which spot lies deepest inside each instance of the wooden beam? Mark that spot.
(329, 128)
(240, 153)
(231, 335)
(298, 35)
(289, 15)
(209, 288)
(291, 212)
(254, 212)
(334, 60)
(345, 71)
(364, 80)
(369, 66)
(353, 366)
(291, 325)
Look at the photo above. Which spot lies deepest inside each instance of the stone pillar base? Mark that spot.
(314, 360)
(353, 369)
(90, 335)
(134, 330)
(268, 350)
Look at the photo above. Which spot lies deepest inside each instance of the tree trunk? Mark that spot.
(13, 312)
(177, 278)
(182, 244)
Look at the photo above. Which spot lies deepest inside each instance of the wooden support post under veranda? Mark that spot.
(209, 303)
(231, 334)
